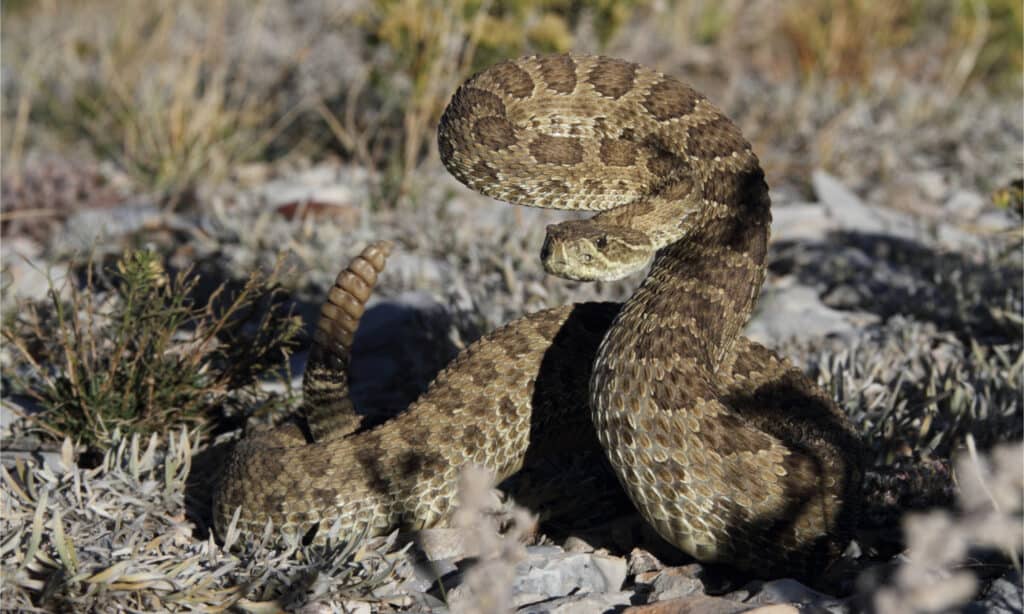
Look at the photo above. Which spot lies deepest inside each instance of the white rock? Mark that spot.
(932, 184)
(671, 583)
(547, 574)
(581, 604)
(787, 590)
(851, 213)
(796, 312)
(26, 275)
(965, 204)
(801, 222)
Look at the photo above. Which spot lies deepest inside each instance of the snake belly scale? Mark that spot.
(726, 449)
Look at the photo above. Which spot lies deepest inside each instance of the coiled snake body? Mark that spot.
(726, 450)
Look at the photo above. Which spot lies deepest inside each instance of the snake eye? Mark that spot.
(602, 242)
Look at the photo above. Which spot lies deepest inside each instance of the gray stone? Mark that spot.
(548, 572)
(425, 574)
(932, 184)
(843, 296)
(965, 204)
(788, 590)
(641, 561)
(577, 544)
(581, 604)
(324, 183)
(8, 414)
(1004, 596)
(996, 220)
(25, 274)
(795, 312)
(670, 583)
(851, 213)
(691, 604)
(440, 544)
(951, 237)
(801, 222)
(97, 227)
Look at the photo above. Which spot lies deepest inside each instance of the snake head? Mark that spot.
(584, 250)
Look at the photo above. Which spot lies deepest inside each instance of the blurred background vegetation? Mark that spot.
(178, 92)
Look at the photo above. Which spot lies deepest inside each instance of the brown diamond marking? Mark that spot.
(669, 99)
(513, 80)
(615, 152)
(718, 138)
(556, 150)
(494, 132)
(612, 78)
(559, 73)
(477, 102)
(663, 164)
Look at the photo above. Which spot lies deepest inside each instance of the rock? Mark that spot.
(8, 414)
(1003, 596)
(25, 273)
(795, 312)
(996, 220)
(774, 609)
(951, 237)
(581, 604)
(851, 213)
(670, 583)
(549, 572)
(441, 544)
(576, 544)
(965, 205)
(801, 222)
(641, 561)
(325, 189)
(788, 591)
(425, 574)
(98, 227)
(932, 184)
(691, 604)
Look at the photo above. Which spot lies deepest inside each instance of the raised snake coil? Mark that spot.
(726, 450)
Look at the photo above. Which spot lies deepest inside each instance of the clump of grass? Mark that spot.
(128, 543)
(954, 42)
(918, 393)
(141, 355)
(156, 88)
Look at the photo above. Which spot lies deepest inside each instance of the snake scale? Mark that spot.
(727, 451)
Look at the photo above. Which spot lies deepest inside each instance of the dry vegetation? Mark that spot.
(179, 103)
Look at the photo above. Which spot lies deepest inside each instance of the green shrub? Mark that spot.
(144, 356)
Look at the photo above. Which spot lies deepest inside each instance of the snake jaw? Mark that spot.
(588, 250)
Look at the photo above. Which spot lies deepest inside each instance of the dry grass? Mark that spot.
(178, 93)
(117, 537)
(161, 88)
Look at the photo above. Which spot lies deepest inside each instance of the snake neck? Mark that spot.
(703, 286)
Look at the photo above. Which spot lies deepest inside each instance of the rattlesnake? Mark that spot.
(726, 450)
